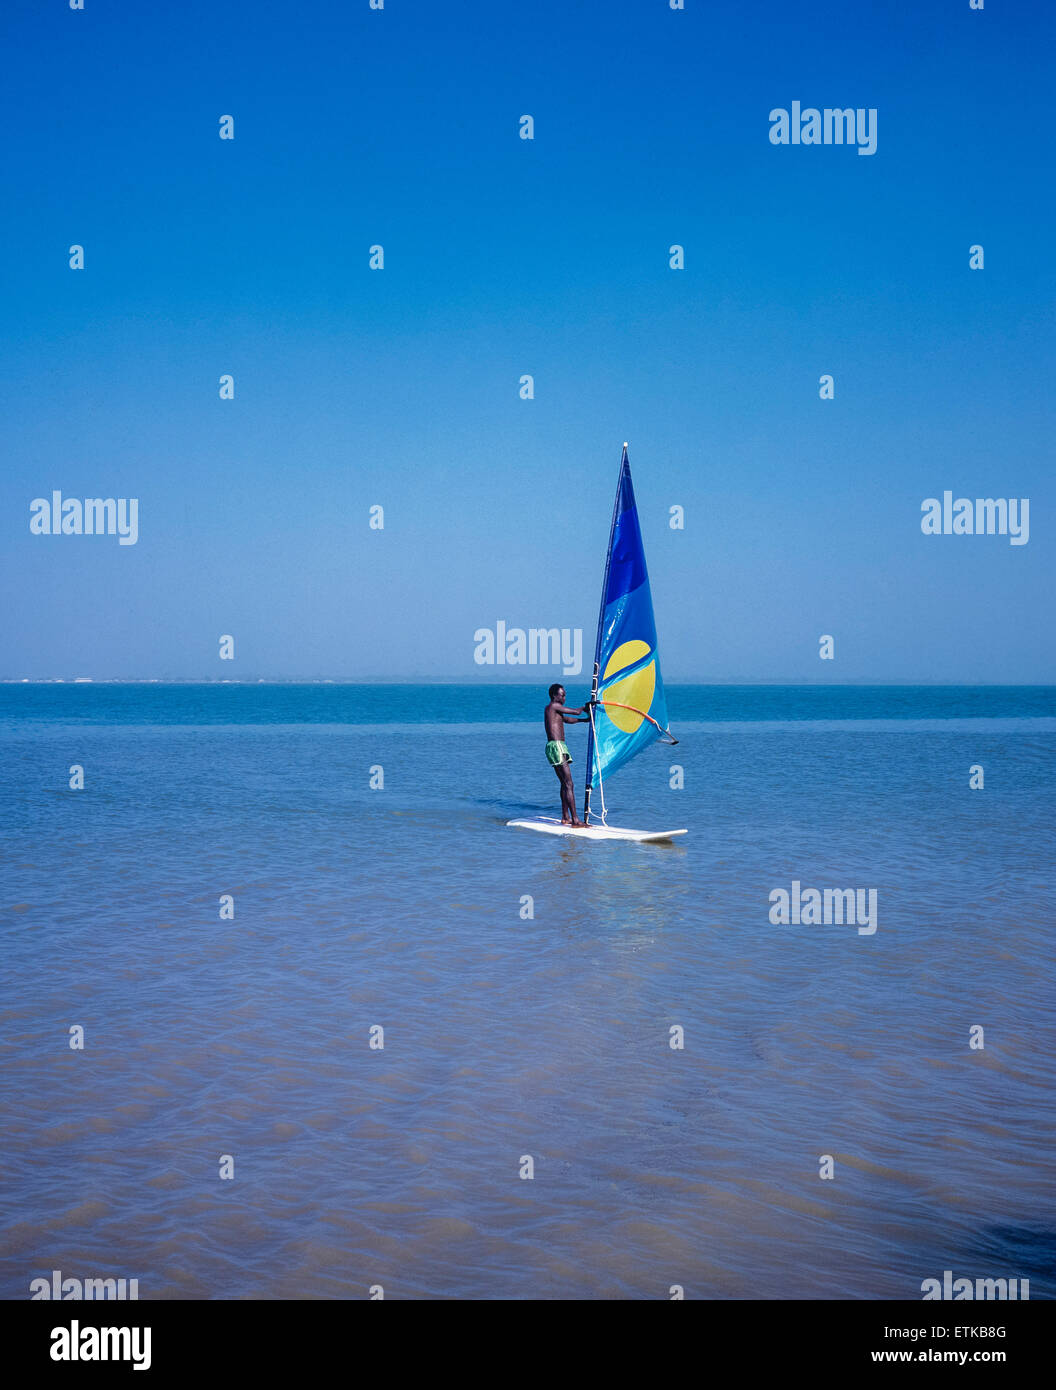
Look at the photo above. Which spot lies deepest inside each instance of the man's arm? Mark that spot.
(568, 714)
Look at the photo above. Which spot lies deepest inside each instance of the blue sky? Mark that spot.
(502, 257)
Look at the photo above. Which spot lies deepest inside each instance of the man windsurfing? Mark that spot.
(557, 754)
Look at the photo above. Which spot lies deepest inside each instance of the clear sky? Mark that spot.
(504, 256)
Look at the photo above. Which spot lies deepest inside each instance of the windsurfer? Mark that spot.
(557, 755)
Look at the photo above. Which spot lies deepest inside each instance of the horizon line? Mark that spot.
(512, 684)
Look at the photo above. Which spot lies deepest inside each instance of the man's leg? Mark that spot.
(568, 796)
(560, 770)
(562, 776)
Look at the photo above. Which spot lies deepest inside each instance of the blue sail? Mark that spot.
(627, 663)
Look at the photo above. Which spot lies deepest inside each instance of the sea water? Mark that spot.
(606, 1071)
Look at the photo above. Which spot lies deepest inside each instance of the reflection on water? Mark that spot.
(508, 1035)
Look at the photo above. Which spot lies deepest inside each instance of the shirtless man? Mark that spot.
(557, 754)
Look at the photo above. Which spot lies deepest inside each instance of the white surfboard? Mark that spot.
(550, 826)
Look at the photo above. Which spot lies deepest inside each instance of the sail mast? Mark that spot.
(597, 645)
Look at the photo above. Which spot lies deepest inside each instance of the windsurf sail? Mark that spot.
(627, 692)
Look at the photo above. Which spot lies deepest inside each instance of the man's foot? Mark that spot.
(580, 823)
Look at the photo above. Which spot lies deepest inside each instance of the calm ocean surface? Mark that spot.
(504, 1036)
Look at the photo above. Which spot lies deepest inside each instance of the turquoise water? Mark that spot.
(507, 1035)
(233, 703)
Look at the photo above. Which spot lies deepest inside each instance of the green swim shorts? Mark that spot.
(557, 752)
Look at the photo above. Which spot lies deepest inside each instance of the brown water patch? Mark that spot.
(78, 1216)
(166, 1181)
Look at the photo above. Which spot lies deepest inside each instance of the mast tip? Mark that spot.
(625, 443)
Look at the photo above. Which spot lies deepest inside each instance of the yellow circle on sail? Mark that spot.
(636, 690)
